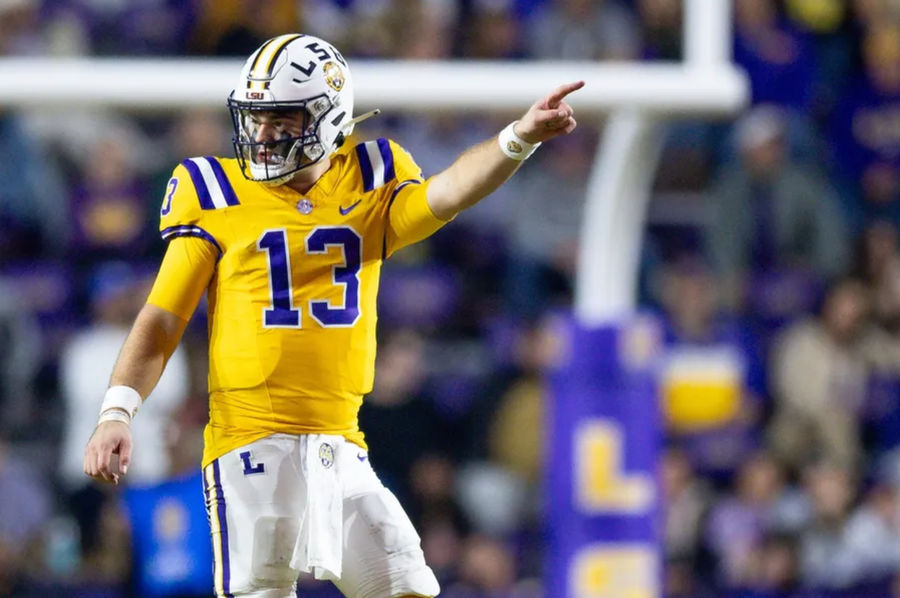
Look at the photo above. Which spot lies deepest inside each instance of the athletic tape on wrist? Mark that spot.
(114, 415)
(514, 146)
(120, 399)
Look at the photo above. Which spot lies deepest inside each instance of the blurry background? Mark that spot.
(771, 257)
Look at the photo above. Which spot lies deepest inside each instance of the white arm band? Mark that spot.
(120, 403)
(514, 146)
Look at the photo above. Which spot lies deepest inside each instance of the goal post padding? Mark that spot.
(603, 435)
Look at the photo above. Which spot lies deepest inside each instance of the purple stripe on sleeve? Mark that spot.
(366, 166)
(189, 230)
(199, 184)
(401, 186)
(224, 184)
(223, 526)
(388, 156)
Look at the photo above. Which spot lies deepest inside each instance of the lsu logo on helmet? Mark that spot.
(333, 75)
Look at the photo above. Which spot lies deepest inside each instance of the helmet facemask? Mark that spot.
(287, 149)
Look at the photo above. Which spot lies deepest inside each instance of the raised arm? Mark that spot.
(482, 168)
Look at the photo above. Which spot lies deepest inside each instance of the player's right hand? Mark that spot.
(108, 452)
(549, 117)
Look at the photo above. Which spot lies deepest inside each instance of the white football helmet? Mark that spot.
(299, 74)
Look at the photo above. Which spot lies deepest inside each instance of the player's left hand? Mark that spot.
(549, 117)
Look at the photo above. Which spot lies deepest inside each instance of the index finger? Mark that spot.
(562, 91)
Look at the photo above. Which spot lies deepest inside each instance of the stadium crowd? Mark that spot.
(771, 252)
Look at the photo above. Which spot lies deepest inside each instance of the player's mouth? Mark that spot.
(266, 157)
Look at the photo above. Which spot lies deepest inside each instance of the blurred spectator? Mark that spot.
(117, 294)
(686, 500)
(442, 544)
(584, 30)
(775, 568)
(329, 19)
(827, 559)
(375, 29)
(495, 500)
(866, 145)
(238, 28)
(739, 523)
(110, 204)
(34, 222)
(25, 508)
(494, 31)
(398, 417)
(774, 222)
(487, 568)
(521, 406)
(499, 486)
(869, 13)
(19, 363)
(428, 29)
(820, 372)
(199, 132)
(513, 400)
(711, 382)
(778, 59)
(432, 484)
(106, 548)
(19, 27)
(437, 515)
(873, 534)
(662, 31)
(878, 264)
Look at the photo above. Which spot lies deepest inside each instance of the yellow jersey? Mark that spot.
(293, 293)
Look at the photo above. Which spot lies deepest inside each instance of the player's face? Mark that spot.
(267, 128)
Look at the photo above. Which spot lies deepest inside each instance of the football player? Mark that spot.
(287, 239)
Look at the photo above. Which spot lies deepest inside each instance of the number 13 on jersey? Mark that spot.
(282, 312)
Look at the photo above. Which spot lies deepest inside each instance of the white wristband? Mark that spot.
(120, 399)
(514, 146)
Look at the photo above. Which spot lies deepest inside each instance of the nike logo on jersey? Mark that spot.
(361, 456)
(344, 211)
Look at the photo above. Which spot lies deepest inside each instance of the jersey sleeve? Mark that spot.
(183, 276)
(184, 210)
(409, 217)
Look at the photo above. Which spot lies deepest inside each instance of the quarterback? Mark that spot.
(287, 240)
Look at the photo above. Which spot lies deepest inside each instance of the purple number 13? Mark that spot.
(283, 313)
